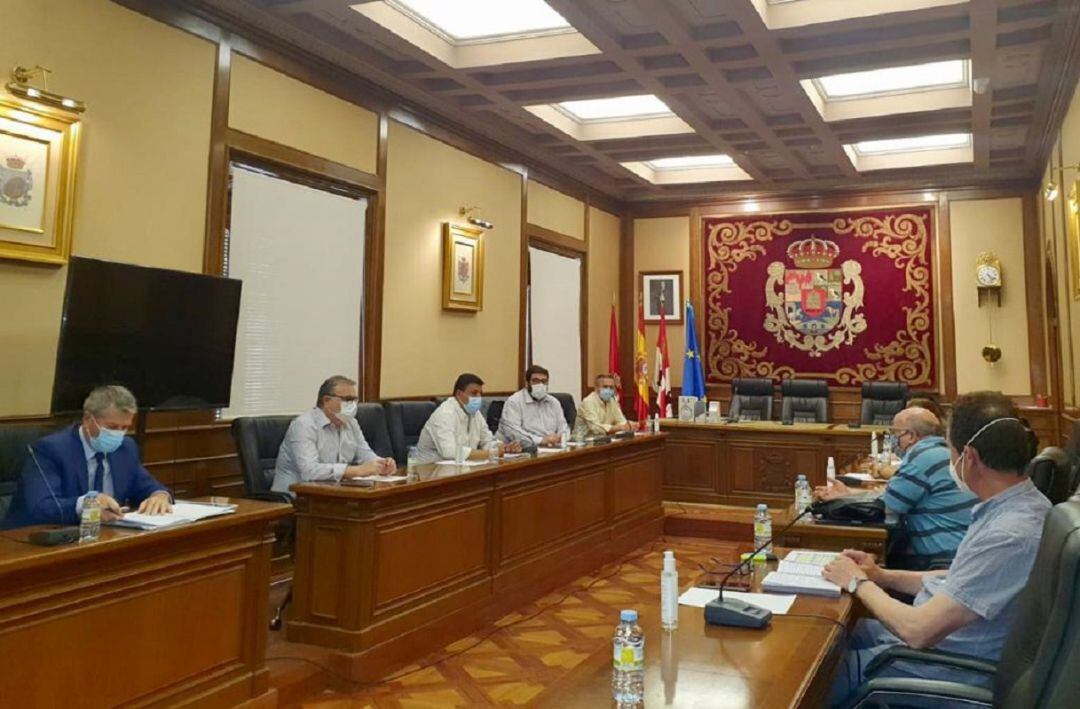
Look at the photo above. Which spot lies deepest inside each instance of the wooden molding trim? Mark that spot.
(524, 357)
(218, 175)
(946, 307)
(627, 304)
(584, 319)
(333, 171)
(1036, 311)
(374, 273)
(557, 240)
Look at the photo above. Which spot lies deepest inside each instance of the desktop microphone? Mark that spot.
(51, 537)
(46, 479)
(740, 614)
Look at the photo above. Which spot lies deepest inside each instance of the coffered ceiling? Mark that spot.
(761, 82)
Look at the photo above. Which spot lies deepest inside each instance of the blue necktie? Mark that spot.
(99, 474)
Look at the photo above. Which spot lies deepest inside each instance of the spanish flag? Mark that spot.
(641, 366)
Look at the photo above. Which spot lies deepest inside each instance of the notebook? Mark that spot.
(800, 572)
(182, 513)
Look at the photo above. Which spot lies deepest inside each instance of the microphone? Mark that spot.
(739, 614)
(46, 479)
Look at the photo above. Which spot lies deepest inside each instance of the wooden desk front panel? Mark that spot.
(744, 464)
(174, 620)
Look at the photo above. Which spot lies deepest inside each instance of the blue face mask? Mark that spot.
(108, 440)
(607, 393)
(473, 406)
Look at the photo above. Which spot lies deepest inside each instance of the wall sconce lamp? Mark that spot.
(20, 86)
(1051, 190)
(476, 221)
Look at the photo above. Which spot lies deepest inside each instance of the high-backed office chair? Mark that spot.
(258, 440)
(405, 420)
(569, 408)
(881, 401)
(492, 409)
(372, 420)
(1040, 663)
(13, 443)
(804, 401)
(1052, 472)
(752, 399)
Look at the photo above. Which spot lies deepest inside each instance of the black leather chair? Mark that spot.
(569, 408)
(1040, 663)
(881, 401)
(752, 399)
(258, 440)
(405, 420)
(1052, 472)
(372, 420)
(13, 443)
(804, 401)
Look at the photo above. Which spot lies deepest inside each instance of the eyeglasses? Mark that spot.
(345, 398)
(538, 381)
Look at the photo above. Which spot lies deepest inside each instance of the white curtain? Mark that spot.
(555, 318)
(300, 254)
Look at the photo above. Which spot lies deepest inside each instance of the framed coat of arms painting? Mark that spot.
(463, 268)
(38, 153)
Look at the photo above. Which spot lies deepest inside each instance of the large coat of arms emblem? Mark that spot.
(16, 182)
(807, 307)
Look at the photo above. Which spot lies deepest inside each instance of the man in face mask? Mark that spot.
(533, 416)
(458, 423)
(326, 443)
(968, 608)
(95, 455)
(599, 413)
(934, 512)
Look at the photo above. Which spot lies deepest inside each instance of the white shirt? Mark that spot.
(448, 428)
(316, 449)
(526, 419)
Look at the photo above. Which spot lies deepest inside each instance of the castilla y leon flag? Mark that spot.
(641, 366)
(662, 376)
(613, 353)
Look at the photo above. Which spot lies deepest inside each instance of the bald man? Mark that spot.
(933, 511)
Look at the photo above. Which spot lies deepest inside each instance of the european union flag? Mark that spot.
(693, 376)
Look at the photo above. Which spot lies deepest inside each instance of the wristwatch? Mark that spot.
(853, 584)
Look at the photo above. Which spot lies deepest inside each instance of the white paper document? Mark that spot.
(810, 557)
(777, 582)
(698, 597)
(383, 478)
(466, 464)
(182, 513)
(544, 449)
(863, 477)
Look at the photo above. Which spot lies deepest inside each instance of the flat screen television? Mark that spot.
(168, 336)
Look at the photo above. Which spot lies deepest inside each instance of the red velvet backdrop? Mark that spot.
(858, 309)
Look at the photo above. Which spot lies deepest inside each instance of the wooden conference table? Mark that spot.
(756, 461)
(389, 573)
(171, 617)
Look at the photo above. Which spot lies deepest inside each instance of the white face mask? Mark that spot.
(538, 391)
(348, 409)
(958, 475)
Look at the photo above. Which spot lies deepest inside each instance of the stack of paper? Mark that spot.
(697, 597)
(182, 513)
(800, 572)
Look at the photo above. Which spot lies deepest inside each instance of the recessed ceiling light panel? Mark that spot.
(690, 162)
(897, 79)
(908, 145)
(464, 21)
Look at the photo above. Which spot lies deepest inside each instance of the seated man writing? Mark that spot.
(326, 443)
(458, 424)
(598, 413)
(934, 512)
(532, 416)
(967, 609)
(94, 455)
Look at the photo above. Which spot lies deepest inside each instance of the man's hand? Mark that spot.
(867, 563)
(372, 467)
(385, 466)
(110, 508)
(511, 447)
(841, 570)
(831, 492)
(157, 504)
(620, 427)
(551, 440)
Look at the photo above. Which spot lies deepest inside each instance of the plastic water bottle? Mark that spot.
(628, 669)
(90, 523)
(412, 458)
(804, 496)
(669, 593)
(762, 528)
(830, 471)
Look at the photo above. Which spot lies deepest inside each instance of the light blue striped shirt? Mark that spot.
(935, 512)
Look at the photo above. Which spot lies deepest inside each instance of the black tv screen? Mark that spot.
(169, 336)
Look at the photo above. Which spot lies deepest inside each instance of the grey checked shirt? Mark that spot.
(526, 419)
(315, 449)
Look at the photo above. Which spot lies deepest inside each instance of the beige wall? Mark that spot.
(424, 347)
(604, 251)
(995, 225)
(141, 190)
(274, 106)
(554, 210)
(663, 244)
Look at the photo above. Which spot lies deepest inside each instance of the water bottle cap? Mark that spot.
(762, 507)
(801, 477)
(92, 493)
(628, 616)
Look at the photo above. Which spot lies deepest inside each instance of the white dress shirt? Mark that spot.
(448, 428)
(526, 419)
(316, 449)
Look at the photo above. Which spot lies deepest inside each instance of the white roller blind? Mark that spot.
(300, 253)
(555, 318)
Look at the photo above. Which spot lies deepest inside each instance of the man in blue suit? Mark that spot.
(94, 455)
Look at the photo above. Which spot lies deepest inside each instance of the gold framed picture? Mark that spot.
(1072, 230)
(463, 268)
(39, 149)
